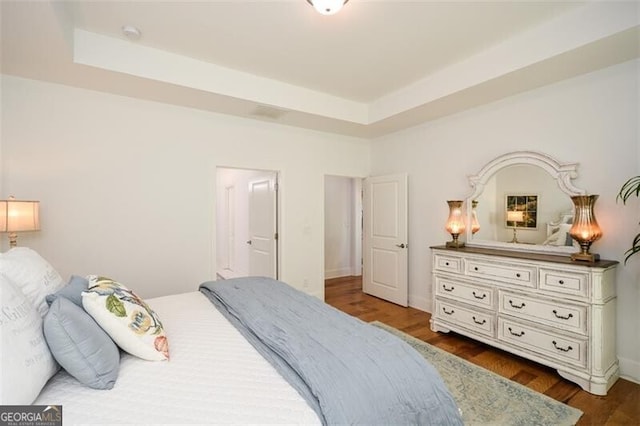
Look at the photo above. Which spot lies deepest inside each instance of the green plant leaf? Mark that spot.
(115, 306)
(630, 187)
(635, 248)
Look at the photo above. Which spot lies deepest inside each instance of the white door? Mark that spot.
(262, 227)
(385, 268)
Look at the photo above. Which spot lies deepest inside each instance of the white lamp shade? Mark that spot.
(18, 215)
(513, 216)
(327, 7)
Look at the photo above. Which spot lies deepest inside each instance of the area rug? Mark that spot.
(486, 398)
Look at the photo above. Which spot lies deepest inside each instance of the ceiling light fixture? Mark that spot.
(327, 7)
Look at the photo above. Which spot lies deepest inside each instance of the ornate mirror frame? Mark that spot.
(563, 173)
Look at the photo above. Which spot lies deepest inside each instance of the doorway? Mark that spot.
(246, 223)
(342, 227)
(366, 226)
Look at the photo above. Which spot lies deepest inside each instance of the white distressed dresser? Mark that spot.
(542, 307)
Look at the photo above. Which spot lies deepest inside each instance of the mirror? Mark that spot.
(523, 203)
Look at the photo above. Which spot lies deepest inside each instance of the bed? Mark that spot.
(217, 374)
(558, 231)
(223, 368)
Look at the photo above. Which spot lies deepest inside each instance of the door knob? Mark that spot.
(401, 245)
(249, 242)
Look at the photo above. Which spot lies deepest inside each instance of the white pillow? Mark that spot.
(32, 274)
(559, 237)
(128, 320)
(26, 362)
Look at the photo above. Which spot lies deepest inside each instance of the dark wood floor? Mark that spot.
(620, 407)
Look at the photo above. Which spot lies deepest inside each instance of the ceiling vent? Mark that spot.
(131, 32)
(269, 112)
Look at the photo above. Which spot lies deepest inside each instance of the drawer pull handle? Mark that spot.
(561, 317)
(475, 268)
(447, 312)
(560, 281)
(560, 348)
(479, 322)
(516, 306)
(479, 297)
(517, 334)
(446, 263)
(518, 275)
(444, 287)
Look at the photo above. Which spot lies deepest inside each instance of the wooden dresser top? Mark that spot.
(542, 257)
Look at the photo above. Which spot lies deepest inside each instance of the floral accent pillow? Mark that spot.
(128, 320)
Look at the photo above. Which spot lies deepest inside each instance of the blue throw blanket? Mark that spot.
(348, 371)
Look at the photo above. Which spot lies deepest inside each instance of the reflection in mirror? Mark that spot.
(536, 195)
(523, 203)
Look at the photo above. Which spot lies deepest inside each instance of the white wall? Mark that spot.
(591, 119)
(127, 187)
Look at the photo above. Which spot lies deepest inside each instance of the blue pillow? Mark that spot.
(72, 291)
(80, 346)
(568, 240)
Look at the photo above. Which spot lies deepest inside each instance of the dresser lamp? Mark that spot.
(585, 229)
(475, 225)
(455, 223)
(18, 216)
(515, 217)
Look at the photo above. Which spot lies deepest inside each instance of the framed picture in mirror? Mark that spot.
(521, 211)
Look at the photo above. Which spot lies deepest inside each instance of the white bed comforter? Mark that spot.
(214, 376)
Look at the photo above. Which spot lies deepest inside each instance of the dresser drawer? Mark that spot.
(561, 315)
(466, 317)
(570, 350)
(447, 263)
(465, 292)
(564, 282)
(509, 273)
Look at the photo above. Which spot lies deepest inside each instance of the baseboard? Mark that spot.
(316, 294)
(629, 370)
(337, 273)
(420, 303)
